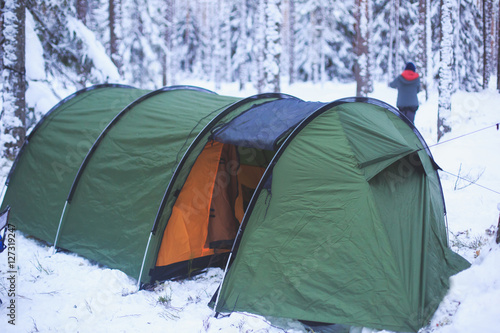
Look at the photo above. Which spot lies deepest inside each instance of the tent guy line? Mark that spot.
(471, 182)
(497, 125)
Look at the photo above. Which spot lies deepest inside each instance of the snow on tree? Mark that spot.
(394, 39)
(114, 15)
(424, 44)
(241, 58)
(323, 40)
(273, 48)
(487, 40)
(82, 8)
(259, 46)
(498, 78)
(216, 68)
(362, 49)
(447, 57)
(289, 20)
(469, 46)
(13, 117)
(168, 70)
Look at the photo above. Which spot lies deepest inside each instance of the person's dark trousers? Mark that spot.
(409, 112)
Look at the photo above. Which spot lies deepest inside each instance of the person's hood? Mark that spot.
(409, 75)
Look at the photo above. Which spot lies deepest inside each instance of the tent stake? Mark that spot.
(59, 226)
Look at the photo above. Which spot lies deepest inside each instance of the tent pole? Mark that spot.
(3, 192)
(226, 268)
(143, 262)
(59, 226)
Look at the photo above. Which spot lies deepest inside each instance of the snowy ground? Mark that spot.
(65, 293)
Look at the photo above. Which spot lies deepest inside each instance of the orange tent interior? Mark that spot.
(207, 213)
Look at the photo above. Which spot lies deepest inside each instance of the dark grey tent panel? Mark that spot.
(261, 126)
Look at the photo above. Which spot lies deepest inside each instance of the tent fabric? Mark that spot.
(124, 180)
(261, 126)
(182, 171)
(340, 248)
(50, 158)
(339, 205)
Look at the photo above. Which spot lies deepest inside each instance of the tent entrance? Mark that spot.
(209, 208)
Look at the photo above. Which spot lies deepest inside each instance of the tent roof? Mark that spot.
(263, 125)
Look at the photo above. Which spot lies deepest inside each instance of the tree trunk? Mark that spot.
(422, 43)
(445, 69)
(13, 120)
(82, 8)
(487, 38)
(362, 49)
(168, 75)
(114, 16)
(395, 39)
(260, 42)
(498, 63)
(228, 43)
(242, 44)
(217, 63)
(272, 45)
(291, 42)
(2, 5)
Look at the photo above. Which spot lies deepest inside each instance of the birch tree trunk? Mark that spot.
(487, 38)
(445, 69)
(362, 49)
(168, 75)
(217, 62)
(242, 45)
(13, 117)
(422, 43)
(260, 45)
(393, 68)
(273, 19)
(498, 66)
(291, 42)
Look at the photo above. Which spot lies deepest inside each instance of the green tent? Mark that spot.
(330, 212)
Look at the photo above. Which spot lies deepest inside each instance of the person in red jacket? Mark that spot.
(408, 85)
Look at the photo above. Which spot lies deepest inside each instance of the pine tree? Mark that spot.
(469, 47)
(242, 48)
(338, 40)
(13, 117)
(446, 87)
(273, 48)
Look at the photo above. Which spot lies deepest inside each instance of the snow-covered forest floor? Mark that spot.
(66, 293)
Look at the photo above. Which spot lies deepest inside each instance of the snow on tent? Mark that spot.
(332, 212)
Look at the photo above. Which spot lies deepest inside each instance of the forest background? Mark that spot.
(263, 43)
